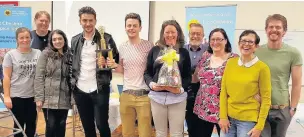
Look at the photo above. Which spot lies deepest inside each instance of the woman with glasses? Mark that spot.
(242, 114)
(209, 73)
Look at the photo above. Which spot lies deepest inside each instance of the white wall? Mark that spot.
(37, 6)
(250, 15)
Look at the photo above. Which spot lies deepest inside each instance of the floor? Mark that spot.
(8, 122)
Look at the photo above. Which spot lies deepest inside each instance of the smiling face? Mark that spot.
(42, 23)
(58, 41)
(88, 22)
(133, 28)
(217, 42)
(275, 31)
(24, 39)
(196, 35)
(170, 35)
(247, 45)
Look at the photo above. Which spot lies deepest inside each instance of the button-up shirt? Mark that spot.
(195, 55)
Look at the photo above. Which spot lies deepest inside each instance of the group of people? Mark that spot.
(244, 95)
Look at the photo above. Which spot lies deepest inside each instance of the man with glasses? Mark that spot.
(196, 49)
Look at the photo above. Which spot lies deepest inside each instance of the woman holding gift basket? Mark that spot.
(168, 74)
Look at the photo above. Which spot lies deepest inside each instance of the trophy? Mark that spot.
(103, 49)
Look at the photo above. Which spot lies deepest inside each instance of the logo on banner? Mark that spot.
(7, 12)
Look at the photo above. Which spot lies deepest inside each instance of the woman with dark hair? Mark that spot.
(168, 103)
(245, 100)
(209, 72)
(52, 93)
(18, 82)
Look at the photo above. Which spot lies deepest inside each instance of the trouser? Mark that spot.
(238, 128)
(132, 106)
(191, 118)
(196, 126)
(175, 113)
(277, 123)
(94, 106)
(25, 112)
(55, 122)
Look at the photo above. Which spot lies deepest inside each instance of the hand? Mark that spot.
(174, 90)
(101, 61)
(258, 97)
(156, 87)
(292, 112)
(254, 132)
(39, 105)
(224, 125)
(111, 63)
(8, 102)
(159, 60)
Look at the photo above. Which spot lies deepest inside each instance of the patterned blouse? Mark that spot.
(207, 99)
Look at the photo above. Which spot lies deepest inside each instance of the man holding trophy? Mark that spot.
(90, 76)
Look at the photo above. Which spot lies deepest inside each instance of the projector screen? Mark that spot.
(110, 14)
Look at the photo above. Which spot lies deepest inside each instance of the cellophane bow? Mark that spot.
(169, 74)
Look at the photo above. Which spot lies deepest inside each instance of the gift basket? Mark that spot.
(169, 74)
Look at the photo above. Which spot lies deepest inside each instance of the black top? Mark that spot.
(153, 68)
(39, 42)
(103, 77)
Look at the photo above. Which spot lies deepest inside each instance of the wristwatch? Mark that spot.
(293, 109)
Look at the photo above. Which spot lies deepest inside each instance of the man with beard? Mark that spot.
(283, 61)
(90, 85)
(196, 49)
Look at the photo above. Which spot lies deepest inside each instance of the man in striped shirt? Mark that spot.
(134, 100)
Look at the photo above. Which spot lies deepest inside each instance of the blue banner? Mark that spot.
(11, 18)
(212, 17)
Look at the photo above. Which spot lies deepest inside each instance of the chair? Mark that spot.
(10, 113)
(120, 88)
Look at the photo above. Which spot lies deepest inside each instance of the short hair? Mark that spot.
(50, 42)
(21, 30)
(86, 10)
(133, 16)
(180, 35)
(278, 17)
(40, 13)
(247, 32)
(228, 44)
(196, 25)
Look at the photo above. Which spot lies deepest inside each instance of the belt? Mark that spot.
(278, 106)
(140, 92)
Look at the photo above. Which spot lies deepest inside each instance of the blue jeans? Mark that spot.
(238, 128)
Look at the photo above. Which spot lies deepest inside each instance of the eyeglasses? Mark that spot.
(216, 40)
(196, 33)
(247, 42)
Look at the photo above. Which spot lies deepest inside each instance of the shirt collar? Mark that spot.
(92, 36)
(198, 49)
(248, 64)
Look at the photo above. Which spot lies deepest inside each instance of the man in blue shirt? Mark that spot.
(196, 49)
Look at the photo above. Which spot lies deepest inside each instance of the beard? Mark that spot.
(196, 43)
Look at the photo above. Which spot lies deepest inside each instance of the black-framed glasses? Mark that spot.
(247, 42)
(196, 33)
(216, 40)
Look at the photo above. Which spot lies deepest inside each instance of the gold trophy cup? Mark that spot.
(103, 49)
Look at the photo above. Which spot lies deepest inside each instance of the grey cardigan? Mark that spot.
(50, 83)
